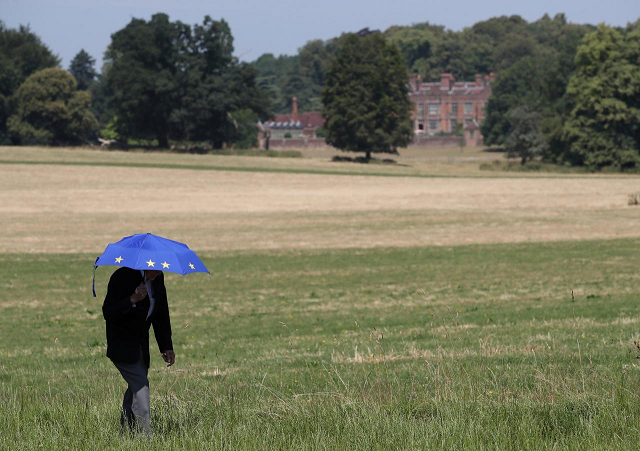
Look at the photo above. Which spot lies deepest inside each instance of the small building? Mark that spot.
(450, 106)
(294, 125)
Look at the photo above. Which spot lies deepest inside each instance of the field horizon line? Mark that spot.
(359, 250)
(312, 171)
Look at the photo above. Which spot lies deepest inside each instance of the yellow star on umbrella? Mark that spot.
(151, 263)
(119, 259)
(165, 265)
(191, 266)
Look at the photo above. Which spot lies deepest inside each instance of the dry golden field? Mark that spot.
(76, 206)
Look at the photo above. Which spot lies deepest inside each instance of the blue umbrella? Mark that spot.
(148, 251)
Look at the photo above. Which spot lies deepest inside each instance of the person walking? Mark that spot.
(136, 300)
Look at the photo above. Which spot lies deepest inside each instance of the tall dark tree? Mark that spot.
(21, 54)
(219, 90)
(146, 76)
(170, 80)
(82, 68)
(365, 98)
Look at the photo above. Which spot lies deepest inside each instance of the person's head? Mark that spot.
(150, 274)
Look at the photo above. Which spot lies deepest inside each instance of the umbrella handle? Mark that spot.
(94, 277)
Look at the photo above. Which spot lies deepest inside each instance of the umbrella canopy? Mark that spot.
(148, 251)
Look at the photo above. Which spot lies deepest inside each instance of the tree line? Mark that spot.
(493, 45)
(161, 80)
(566, 92)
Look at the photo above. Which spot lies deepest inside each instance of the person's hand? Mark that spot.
(169, 356)
(139, 294)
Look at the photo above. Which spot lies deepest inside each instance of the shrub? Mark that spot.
(321, 132)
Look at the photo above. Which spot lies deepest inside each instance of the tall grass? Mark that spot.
(474, 347)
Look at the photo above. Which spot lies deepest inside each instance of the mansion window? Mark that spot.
(434, 108)
(468, 108)
(420, 109)
(454, 108)
(420, 124)
(454, 126)
(434, 125)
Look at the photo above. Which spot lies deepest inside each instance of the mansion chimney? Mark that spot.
(294, 109)
(446, 81)
(479, 80)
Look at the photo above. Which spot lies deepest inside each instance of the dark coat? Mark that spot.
(127, 326)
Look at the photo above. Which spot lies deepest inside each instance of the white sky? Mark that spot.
(281, 26)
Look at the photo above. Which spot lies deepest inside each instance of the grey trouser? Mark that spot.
(135, 404)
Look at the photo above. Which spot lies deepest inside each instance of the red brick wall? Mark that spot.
(295, 143)
(418, 141)
(435, 141)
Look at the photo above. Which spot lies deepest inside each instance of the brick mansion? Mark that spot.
(444, 106)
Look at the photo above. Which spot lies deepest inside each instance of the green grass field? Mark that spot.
(479, 346)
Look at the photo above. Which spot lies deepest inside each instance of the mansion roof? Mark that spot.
(308, 119)
(448, 87)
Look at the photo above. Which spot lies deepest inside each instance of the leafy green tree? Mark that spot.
(603, 127)
(525, 139)
(365, 98)
(101, 100)
(414, 44)
(314, 56)
(470, 51)
(497, 29)
(301, 76)
(296, 84)
(21, 54)
(109, 131)
(219, 90)
(145, 76)
(535, 76)
(82, 68)
(50, 110)
(270, 78)
(450, 54)
(513, 49)
(522, 84)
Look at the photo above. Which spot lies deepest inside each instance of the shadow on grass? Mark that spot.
(363, 160)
